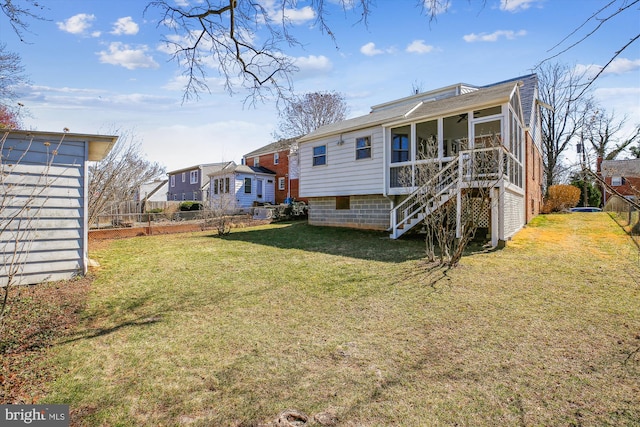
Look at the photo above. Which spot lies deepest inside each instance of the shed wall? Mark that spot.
(43, 209)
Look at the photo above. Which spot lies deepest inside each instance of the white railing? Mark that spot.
(481, 167)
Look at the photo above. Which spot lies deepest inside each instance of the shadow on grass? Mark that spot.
(99, 332)
(361, 244)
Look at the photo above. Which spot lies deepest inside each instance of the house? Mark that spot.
(44, 203)
(237, 188)
(623, 176)
(364, 172)
(282, 158)
(191, 183)
(149, 192)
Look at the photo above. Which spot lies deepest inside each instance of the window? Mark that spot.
(276, 158)
(616, 181)
(363, 148)
(184, 176)
(427, 140)
(343, 203)
(256, 161)
(175, 197)
(193, 177)
(173, 180)
(226, 185)
(320, 155)
(215, 186)
(400, 144)
(247, 185)
(281, 183)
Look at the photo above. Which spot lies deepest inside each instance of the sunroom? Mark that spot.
(443, 152)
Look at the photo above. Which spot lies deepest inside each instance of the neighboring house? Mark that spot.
(155, 191)
(236, 188)
(623, 176)
(363, 172)
(191, 183)
(280, 157)
(44, 180)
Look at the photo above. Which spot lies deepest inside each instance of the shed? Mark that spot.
(43, 209)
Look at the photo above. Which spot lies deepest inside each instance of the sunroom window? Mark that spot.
(400, 144)
(427, 135)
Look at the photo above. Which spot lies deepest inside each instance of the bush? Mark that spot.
(155, 210)
(560, 198)
(190, 206)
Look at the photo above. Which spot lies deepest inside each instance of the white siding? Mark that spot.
(514, 217)
(43, 209)
(343, 175)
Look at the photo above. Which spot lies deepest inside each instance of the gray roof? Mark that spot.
(626, 168)
(488, 95)
(243, 169)
(527, 94)
(207, 168)
(274, 147)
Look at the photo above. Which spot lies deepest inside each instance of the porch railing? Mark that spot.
(471, 168)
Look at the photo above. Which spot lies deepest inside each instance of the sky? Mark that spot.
(98, 66)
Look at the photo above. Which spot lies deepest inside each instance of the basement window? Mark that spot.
(343, 203)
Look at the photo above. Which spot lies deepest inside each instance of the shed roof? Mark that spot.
(99, 145)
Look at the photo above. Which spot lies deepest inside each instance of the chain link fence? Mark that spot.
(626, 215)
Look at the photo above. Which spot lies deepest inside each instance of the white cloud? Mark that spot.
(419, 46)
(370, 49)
(622, 66)
(493, 37)
(618, 66)
(313, 62)
(125, 26)
(516, 5)
(299, 16)
(77, 24)
(123, 55)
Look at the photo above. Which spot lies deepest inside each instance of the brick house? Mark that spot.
(623, 176)
(280, 157)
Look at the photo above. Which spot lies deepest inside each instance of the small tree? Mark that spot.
(222, 204)
(582, 182)
(449, 199)
(119, 175)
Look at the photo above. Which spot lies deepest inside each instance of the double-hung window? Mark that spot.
(276, 158)
(193, 177)
(363, 148)
(281, 183)
(173, 180)
(247, 185)
(320, 155)
(184, 177)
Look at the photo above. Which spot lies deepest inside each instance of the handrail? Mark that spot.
(451, 176)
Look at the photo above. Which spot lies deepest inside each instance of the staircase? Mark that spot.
(426, 199)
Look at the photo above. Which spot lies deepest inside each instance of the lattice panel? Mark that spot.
(482, 213)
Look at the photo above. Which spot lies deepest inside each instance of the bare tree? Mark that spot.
(20, 12)
(606, 15)
(453, 200)
(118, 176)
(12, 74)
(222, 204)
(563, 123)
(603, 133)
(308, 112)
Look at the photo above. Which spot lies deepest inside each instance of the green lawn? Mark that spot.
(197, 330)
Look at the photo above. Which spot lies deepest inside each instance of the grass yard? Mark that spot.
(197, 330)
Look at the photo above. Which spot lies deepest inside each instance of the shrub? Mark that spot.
(560, 198)
(190, 206)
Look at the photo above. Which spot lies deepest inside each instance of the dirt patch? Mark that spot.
(36, 318)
